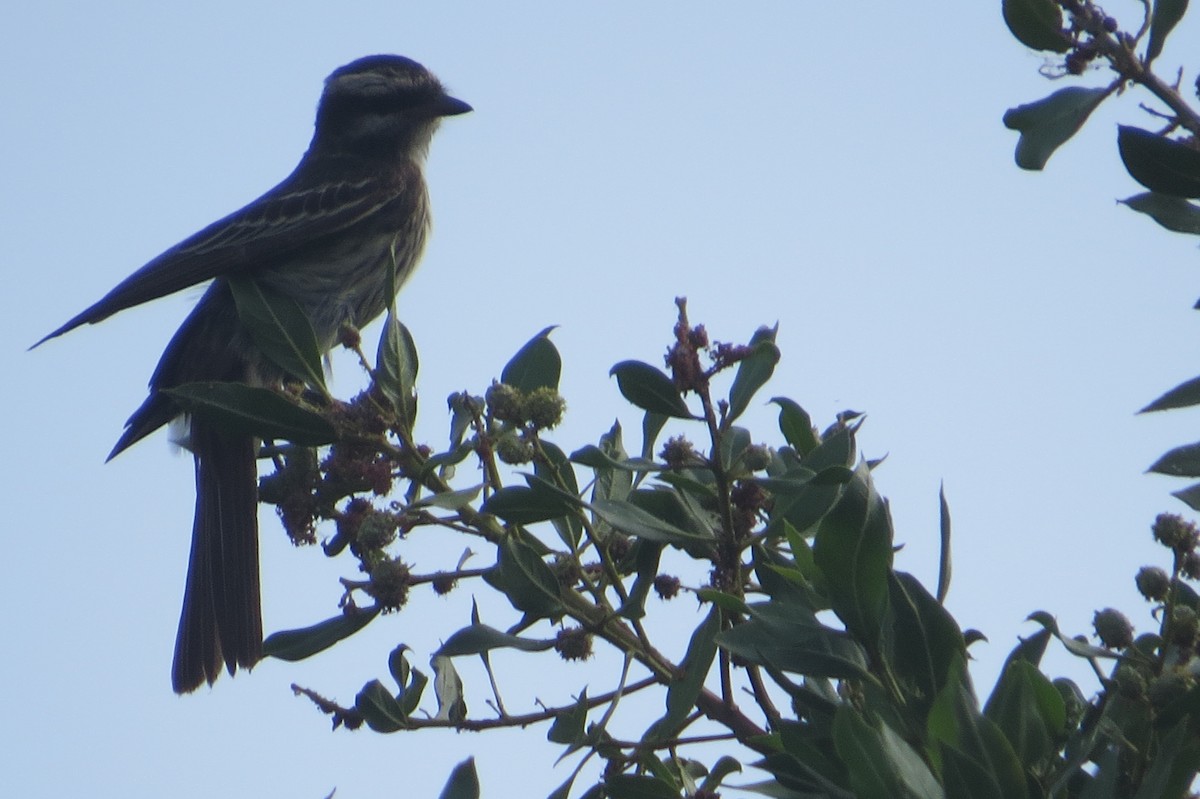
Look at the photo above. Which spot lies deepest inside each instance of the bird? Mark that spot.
(325, 237)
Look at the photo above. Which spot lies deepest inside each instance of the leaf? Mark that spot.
(1036, 23)
(247, 410)
(632, 520)
(1190, 496)
(1182, 396)
(881, 764)
(1159, 163)
(647, 556)
(683, 691)
(944, 564)
(926, 639)
(448, 688)
(1163, 19)
(569, 725)
(977, 760)
(525, 505)
(1174, 765)
(1029, 710)
(1180, 462)
(557, 472)
(1045, 125)
(1174, 213)
(639, 786)
(649, 389)
(293, 645)
(652, 425)
(279, 328)
(463, 782)
(796, 426)
(396, 365)
(536, 365)
(753, 371)
(479, 638)
(449, 500)
(789, 637)
(853, 549)
(592, 456)
(725, 766)
(379, 708)
(412, 681)
(525, 579)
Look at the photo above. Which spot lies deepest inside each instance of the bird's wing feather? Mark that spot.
(285, 219)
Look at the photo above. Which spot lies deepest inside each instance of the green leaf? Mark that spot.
(1163, 19)
(796, 426)
(556, 471)
(976, 758)
(1180, 462)
(396, 365)
(1174, 766)
(593, 457)
(639, 786)
(1159, 163)
(247, 410)
(753, 371)
(683, 691)
(652, 425)
(1174, 213)
(1182, 396)
(449, 500)
(412, 682)
(479, 638)
(724, 766)
(1190, 496)
(379, 708)
(536, 365)
(632, 520)
(674, 508)
(726, 602)
(881, 764)
(649, 389)
(569, 725)
(789, 637)
(279, 328)
(463, 782)
(293, 645)
(647, 555)
(525, 504)
(926, 639)
(525, 579)
(1030, 712)
(853, 548)
(1045, 125)
(944, 559)
(1036, 23)
(612, 483)
(448, 688)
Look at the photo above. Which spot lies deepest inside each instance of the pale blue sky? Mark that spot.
(838, 168)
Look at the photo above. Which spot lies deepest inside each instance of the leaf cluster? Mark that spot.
(815, 660)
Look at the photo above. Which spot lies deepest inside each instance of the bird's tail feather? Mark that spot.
(221, 619)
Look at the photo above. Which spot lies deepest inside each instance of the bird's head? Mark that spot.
(383, 105)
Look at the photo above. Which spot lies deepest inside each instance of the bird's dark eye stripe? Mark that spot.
(376, 104)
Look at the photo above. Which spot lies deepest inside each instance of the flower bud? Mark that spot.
(1113, 629)
(1153, 583)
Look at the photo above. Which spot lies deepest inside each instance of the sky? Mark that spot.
(838, 169)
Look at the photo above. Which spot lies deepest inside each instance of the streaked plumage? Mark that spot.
(324, 236)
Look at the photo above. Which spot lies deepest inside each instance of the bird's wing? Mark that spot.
(287, 218)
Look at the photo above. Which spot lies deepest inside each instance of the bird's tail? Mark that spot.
(222, 618)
